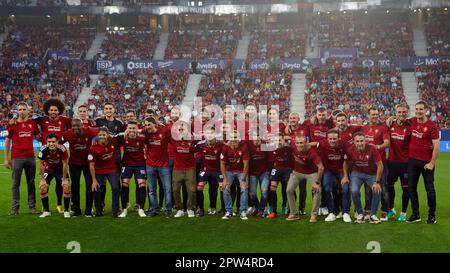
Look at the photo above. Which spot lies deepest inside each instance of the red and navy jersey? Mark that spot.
(53, 159)
(22, 135)
(79, 145)
(57, 126)
(133, 151)
(282, 158)
(400, 139)
(210, 156)
(104, 157)
(258, 159)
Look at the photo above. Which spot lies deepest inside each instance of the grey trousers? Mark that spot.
(294, 181)
(17, 166)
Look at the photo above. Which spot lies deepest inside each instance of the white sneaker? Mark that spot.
(123, 214)
(234, 213)
(244, 216)
(45, 214)
(179, 214)
(347, 218)
(190, 213)
(330, 218)
(227, 216)
(211, 211)
(360, 219)
(67, 214)
(340, 215)
(367, 217)
(325, 211)
(141, 213)
(356, 215)
(250, 210)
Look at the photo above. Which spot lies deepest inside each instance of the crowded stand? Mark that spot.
(129, 43)
(159, 90)
(370, 37)
(35, 84)
(274, 43)
(202, 44)
(353, 89)
(437, 31)
(257, 87)
(433, 83)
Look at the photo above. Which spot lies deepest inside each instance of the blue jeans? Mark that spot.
(329, 181)
(165, 176)
(114, 182)
(357, 179)
(264, 187)
(227, 193)
(384, 192)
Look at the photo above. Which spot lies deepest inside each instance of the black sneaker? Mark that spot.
(76, 213)
(14, 212)
(98, 214)
(414, 219)
(152, 214)
(168, 214)
(200, 213)
(88, 215)
(302, 212)
(431, 220)
(115, 215)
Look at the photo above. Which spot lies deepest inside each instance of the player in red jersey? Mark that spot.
(423, 153)
(80, 140)
(259, 174)
(184, 168)
(21, 135)
(377, 134)
(332, 152)
(282, 168)
(367, 168)
(83, 116)
(102, 165)
(346, 131)
(307, 166)
(294, 129)
(157, 164)
(234, 163)
(133, 163)
(54, 163)
(400, 133)
(210, 170)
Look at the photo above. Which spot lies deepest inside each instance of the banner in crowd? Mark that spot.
(338, 52)
(17, 64)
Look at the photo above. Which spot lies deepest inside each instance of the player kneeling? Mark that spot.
(54, 163)
(133, 162)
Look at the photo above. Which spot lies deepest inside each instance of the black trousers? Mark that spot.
(398, 170)
(415, 169)
(75, 176)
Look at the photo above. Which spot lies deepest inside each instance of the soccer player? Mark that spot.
(115, 127)
(83, 116)
(80, 140)
(423, 153)
(398, 159)
(234, 163)
(54, 163)
(133, 163)
(377, 134)
(294, 129)
(259, 174)
(157, 164)
(22, 157)
(332, 152)
(307, 166)
(210, 170)
(367, 168)
(346, 131)
(280, 173)
(184, 169)
(102, 166)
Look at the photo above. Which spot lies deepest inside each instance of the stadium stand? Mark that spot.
(437, 31)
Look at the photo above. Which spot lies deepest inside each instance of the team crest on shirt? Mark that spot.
(367, 156)
(425, 129)
(87, 139)
(376, 131)
(240, 153)
(59, 123)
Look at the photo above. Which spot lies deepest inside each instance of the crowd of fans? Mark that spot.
(202, 44)
(25, 42)
(353, 89)
(158, 90)
(437, 32)
(278, 43)
(433, 83)
(373, 38)
(129, 43)
(257, 87)
(35, 84)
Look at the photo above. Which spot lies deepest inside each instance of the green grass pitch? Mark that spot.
(28, 233)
